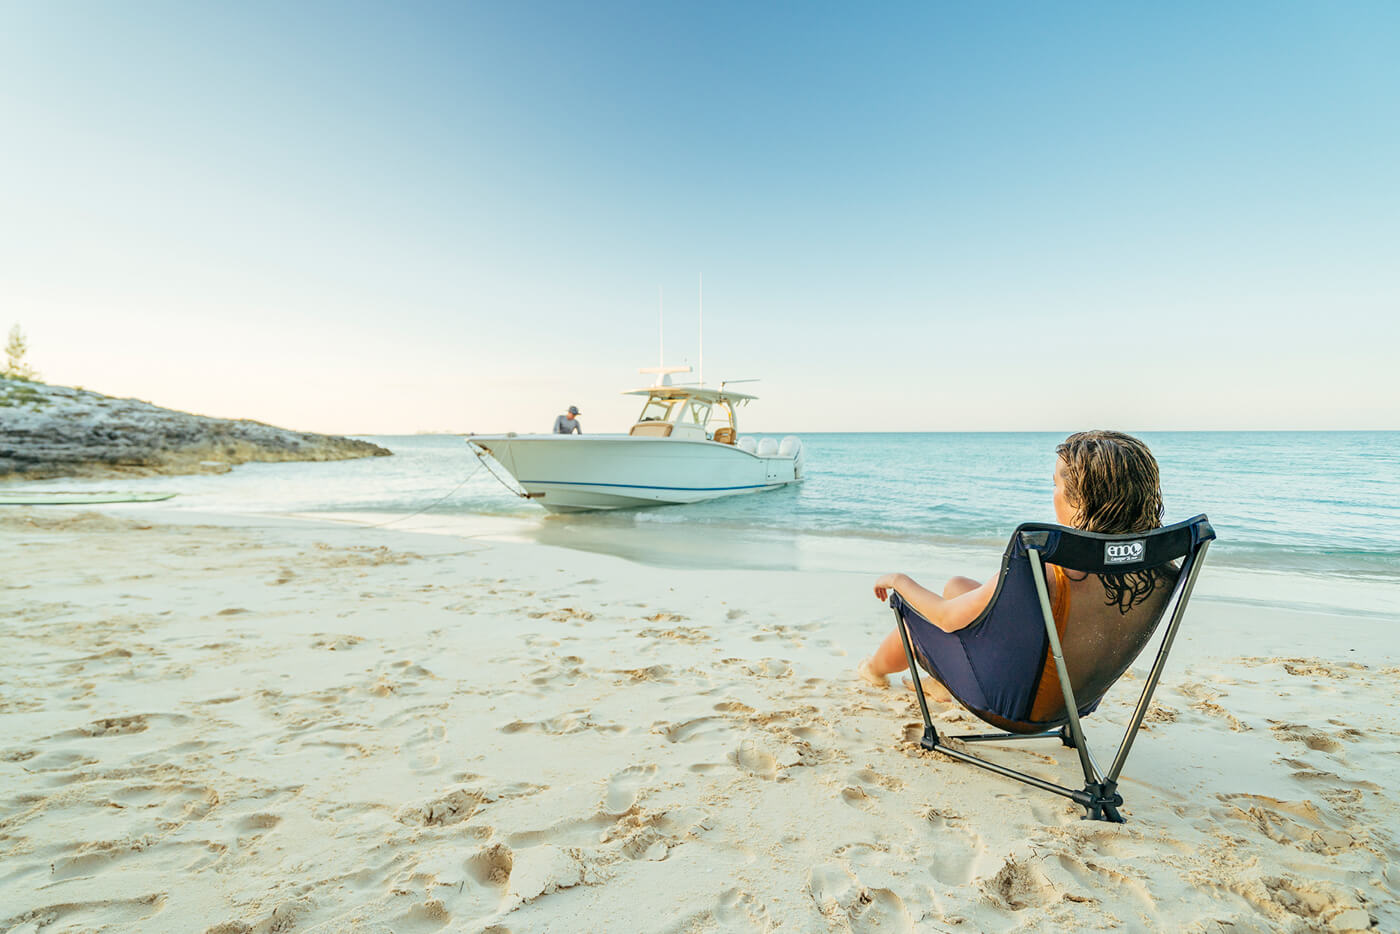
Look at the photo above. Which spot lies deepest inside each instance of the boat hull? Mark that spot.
(572, 473)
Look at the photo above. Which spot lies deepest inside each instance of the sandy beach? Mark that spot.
(264, 725)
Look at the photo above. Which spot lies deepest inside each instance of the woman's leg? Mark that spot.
(889, 658)
(957, 586)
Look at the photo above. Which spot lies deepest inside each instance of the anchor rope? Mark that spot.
(434, 503)
(481, 456)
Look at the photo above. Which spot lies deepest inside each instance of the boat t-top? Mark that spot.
(684, 447)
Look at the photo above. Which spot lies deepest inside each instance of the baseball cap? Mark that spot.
(573, 410)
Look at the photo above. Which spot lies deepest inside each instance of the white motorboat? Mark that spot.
(685, 447)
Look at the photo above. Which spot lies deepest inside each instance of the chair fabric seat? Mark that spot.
(1000, 667)
(1109, 594)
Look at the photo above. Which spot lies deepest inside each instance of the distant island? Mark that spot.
(57, 431)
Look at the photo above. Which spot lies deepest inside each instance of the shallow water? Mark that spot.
(1324, 502)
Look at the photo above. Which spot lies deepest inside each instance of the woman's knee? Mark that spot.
(958, 586)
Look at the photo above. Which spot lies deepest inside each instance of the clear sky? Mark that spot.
(392, 217)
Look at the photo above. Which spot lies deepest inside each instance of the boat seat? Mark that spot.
(724, 435)
(651, 429)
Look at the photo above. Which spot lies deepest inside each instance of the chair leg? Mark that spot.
(930, 737)
(1100, 799)
(1103, 802)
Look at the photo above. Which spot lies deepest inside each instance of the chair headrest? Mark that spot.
(1096, 553)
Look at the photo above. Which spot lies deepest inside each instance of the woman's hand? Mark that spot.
(886, 583)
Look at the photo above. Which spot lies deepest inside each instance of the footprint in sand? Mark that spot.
(574, 721)
(1295, 823)
(1306, 904)
(332, 642)
(863, 788)
(1306, 774)
(104, 913)
(690, 729)
(660, 674)
(115, 726)
(1159, 713)
(1091, 876)
(542, 870)
(737, 910)
(1055, 812)
(770, 668)
(60, 766)
(754, 757)
(565, 670)
(646, 845)
(492, 865)
(834, 888)
(684, 634)
(1312, 668)
(734, 707)
(844, 901)
(648, 835)
(957, 851)
(425, 745)
(87, 860)
(624, 787)
(880, 909)
(1308, 736)
(577, 832)
(562, 615)
(858, 797)
(1205, 701)
(257, 823)
(427, 916)
(174, 800)
(452, 808)
(1018, 884)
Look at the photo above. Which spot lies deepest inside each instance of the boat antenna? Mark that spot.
(702, 329)
(661, 325)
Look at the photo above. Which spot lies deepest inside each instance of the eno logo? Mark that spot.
(1123, 552)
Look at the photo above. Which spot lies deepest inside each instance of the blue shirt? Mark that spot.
(564, 425)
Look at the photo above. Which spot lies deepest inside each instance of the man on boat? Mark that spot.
(568, 424)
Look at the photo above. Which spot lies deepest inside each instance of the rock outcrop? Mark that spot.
(54, 431)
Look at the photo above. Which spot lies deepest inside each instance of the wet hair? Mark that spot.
(1111, 480)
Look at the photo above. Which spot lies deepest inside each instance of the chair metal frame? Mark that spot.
(1099, 797)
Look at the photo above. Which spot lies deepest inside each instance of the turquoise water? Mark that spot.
(1327, 502)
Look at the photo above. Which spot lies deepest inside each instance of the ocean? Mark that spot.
(1312, 502)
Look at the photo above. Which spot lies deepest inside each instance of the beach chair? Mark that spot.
(1034, 672)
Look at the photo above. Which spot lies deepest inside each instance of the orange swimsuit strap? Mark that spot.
(1049, 696)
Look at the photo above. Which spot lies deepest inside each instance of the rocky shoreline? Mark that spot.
(57, 431)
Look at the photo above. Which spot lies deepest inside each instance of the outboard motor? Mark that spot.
(767, 447)
(791, 446)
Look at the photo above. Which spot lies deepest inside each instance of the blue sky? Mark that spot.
(380, 218)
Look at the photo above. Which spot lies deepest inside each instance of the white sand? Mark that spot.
(281, 726)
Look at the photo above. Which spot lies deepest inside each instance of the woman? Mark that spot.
(1105, 481)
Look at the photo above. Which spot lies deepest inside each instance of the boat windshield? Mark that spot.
(657, 410)
(695, 412)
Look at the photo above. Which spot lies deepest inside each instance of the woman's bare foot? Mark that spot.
(933, 689)
(867, 674)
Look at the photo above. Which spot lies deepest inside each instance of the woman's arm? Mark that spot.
(949, 615)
